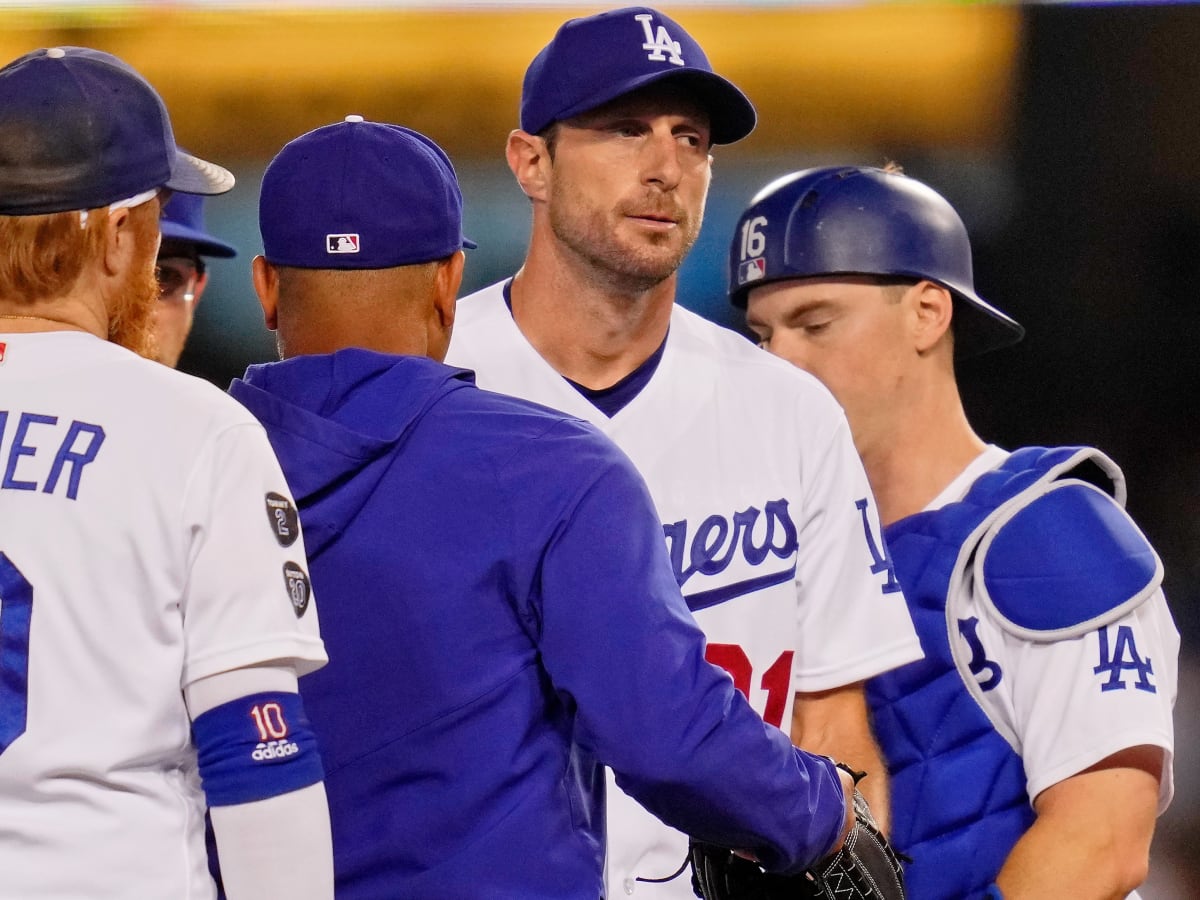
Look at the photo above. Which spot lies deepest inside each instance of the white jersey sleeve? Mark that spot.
(855, 623)
(247, 597)
(1065, 705)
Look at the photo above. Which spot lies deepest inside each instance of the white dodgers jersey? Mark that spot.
(767, 515)
(147, 540)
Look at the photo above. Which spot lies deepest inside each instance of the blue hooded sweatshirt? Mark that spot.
(502, 619)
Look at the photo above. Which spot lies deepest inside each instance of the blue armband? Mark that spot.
(993, 893)
(256, 747)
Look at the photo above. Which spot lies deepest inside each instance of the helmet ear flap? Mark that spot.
(847, 220)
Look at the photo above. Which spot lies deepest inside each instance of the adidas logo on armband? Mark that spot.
(274, 750)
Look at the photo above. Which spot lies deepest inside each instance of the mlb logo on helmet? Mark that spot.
(752, 270)
(341, 243)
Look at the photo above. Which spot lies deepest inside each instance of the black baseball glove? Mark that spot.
(866, 868)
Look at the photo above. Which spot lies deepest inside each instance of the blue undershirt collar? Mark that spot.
(614, 398)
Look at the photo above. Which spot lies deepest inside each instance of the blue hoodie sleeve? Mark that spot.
(620, 644)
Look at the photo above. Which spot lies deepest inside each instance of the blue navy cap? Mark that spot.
(183, 220)
(360, 195)
(596, 59)
(80, 129)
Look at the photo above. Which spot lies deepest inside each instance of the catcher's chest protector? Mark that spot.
(958, 788)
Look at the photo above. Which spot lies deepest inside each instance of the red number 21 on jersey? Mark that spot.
(776, 681)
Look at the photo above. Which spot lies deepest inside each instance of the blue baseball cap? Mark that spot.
(599, 58)
(360, 195)
(80, 129)
(183, 220)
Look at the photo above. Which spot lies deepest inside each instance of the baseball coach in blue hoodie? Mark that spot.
(500, 612)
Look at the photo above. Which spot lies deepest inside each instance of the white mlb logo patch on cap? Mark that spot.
(341, 243)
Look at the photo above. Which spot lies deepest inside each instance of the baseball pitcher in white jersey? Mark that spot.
(765, 506)
(155, 609)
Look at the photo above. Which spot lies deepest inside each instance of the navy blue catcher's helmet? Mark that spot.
(847, 220)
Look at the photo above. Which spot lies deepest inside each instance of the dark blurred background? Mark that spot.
(1066, 136)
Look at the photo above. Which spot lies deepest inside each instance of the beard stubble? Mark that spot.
(131, 316)
(589, 234)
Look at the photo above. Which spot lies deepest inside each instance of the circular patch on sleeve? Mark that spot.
(298, 587)
(285, 521)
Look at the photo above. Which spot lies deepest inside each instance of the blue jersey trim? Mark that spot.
(705, 599)
(614, 398)
(256, 747)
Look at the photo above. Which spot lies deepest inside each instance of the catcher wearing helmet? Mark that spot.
(1043, 706)
(843, 220)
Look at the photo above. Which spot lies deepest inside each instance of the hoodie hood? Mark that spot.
(337, 421)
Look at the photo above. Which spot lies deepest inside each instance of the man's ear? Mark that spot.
(933, 306)
(446, 282)
(266, 286)
(529, 160)
(198, 290)
(447, 279)
(120, 240)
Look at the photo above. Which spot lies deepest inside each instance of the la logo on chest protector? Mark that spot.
(660, 45)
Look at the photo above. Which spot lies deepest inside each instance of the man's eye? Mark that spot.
(168, 279)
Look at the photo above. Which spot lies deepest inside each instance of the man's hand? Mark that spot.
(862, 866)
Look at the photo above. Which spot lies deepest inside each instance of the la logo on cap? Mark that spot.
(341, 243)
(659, 43)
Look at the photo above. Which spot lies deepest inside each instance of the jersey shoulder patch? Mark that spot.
(1065, 559)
